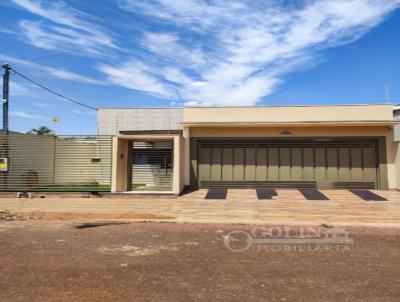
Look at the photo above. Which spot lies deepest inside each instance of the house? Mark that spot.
(329, 146)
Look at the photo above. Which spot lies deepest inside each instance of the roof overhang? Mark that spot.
(148, 137)
(150, 132)
(292, 124)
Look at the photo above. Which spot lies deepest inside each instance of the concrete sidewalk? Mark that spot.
(241, 206)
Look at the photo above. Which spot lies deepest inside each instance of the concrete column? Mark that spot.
(397, 164)
(119, 172)
(391, 149)
(186, 162)
(177, 183)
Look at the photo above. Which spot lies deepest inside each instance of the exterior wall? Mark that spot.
(397, 164)
(271, 114)
(396, 145)
(31, 153)
(396, 115)
(297, 131)
(111, 121)
(186, 163)
(388, 160)
(73, 158)
(119, 174)
(57, 161)
(178, 177)
(119, 177)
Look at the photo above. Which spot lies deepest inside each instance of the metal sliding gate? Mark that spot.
(55, 163)
(152, 166)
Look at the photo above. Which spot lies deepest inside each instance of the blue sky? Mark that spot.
(129, 53)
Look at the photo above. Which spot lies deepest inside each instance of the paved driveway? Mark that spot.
(240, 206)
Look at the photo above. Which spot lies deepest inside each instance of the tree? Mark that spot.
(42, 130)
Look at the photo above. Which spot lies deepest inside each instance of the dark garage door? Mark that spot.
(323, 163)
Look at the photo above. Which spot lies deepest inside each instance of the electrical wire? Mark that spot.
(52, 91)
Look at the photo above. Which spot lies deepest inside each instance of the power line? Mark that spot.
(179, 96)
(52, 91)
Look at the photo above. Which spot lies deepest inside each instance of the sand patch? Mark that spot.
(135, 251)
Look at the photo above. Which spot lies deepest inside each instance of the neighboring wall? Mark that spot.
(83, 161)
(48, 161)
(112, 121)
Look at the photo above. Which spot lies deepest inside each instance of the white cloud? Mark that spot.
(68, 29)
(40, 105)
(174, 75)
(239, 51)
(218, 52)
(18, 89)
(56, 72)
(68, 75)
(26, 115)
(76, 111)
(7, 31)
(169, 47)
(198, 84)
(138, 76)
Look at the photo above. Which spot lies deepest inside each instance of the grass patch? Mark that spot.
(73, 188)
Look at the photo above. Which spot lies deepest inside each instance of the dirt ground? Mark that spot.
(53, 261)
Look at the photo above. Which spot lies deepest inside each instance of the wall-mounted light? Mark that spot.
(286, 132)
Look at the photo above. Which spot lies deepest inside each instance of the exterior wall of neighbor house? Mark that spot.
(112, 121)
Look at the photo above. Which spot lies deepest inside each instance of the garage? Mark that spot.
(288, 163)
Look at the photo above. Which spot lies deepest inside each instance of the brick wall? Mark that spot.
(111, 121)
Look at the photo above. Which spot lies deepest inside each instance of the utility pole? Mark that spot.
(6, 81)
(4, 160)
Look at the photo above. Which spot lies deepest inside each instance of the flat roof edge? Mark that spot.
(249, 106)
(315, 105)
(133, 108)
(383, 122)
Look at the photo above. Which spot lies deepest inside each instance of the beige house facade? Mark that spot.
(338, 146)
